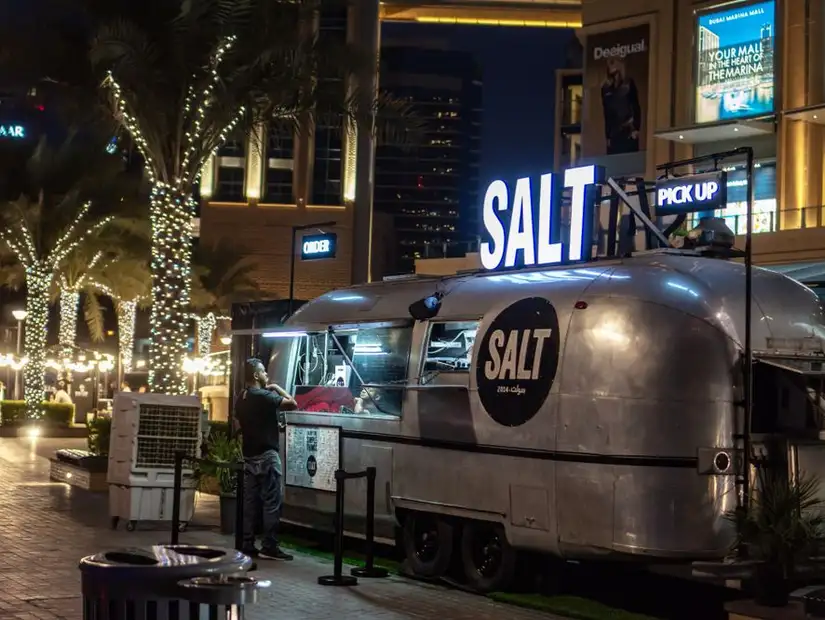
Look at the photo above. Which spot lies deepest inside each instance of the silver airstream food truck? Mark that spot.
(585, 411)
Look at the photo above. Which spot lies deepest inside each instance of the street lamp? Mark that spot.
(295, 231)
(19, 316)
(226, 340)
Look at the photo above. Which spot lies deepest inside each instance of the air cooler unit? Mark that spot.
(147, 431)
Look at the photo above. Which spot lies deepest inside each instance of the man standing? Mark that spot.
(258, 417)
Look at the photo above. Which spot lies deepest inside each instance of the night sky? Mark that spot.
(519, 67)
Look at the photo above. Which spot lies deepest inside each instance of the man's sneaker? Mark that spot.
(274, 554)
(252, 552)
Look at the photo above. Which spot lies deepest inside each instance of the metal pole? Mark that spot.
(337, 578)
(292, 269)
(748, 374)
(18, 391)
(176, 493)
(339, 526)
(239, 500)
(369, 569)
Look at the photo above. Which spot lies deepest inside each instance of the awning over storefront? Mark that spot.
(717, 132)
(810, 114)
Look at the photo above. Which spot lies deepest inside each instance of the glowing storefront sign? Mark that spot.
(735, 62)
(15, 132)
(538, 242)
(316, 247)
(698, 192)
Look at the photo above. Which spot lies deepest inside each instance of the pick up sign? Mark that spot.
(698, 192)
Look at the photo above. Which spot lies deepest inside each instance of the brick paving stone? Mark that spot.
(45, 528)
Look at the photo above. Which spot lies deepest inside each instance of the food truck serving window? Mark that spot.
(450, 346)
(331, 370)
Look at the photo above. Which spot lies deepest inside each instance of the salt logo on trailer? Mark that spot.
(312, 466)
(517, 361)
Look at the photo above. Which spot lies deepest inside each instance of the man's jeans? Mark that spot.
(262, 489)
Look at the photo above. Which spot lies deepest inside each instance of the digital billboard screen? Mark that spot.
(735, 62)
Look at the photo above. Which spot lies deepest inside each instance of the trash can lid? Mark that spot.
(222, 589)
(166, 562)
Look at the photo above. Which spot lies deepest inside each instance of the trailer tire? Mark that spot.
(428, 543)
(488, 560)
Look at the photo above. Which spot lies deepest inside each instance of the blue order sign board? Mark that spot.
(317, 247)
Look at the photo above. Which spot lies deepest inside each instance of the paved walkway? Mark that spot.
(45, 528)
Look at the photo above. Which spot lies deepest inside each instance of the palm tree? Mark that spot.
(180, 85)
(55, 217)
(223, 275)
(109, 256)
(128, 283)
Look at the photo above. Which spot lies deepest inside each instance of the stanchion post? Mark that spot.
(176, 493)
(338, 578)
(369, 569)
(239, 500)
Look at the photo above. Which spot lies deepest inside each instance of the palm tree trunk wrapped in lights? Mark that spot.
(237, 66)
(126, 316)
(206, 328)
(69, 308)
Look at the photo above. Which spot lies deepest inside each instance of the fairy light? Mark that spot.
(171, 210)
(206, 327)
(126, 315)
(69, 304)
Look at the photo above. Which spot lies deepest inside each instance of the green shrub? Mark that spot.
(219, 428)
(13, 413)
(100, 431)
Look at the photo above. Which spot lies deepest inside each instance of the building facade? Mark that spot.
(260, 191)
(430, 188)
(665, 80)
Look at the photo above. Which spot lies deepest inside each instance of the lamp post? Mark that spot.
(295, 231)
(19, 316)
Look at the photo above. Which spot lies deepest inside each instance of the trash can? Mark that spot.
(143, 583)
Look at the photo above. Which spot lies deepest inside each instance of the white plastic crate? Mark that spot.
(147, 431)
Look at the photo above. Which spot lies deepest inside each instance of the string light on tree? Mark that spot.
(126, 315)
(70, 303)
(172, 207)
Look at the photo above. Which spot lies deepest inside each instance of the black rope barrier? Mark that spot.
(369, 570)
(177, 491)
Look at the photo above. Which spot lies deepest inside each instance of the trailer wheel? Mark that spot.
(428, 544)
(488, 559)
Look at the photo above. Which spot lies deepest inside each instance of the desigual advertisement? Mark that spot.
(616, 77)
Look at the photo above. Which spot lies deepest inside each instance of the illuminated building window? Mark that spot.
(764, 199)
(328, 166)
(280, 147)
(231, 163)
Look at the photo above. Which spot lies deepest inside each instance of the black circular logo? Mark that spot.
(312, 466)
(517, 361)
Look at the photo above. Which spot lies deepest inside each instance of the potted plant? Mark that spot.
(222, 449)
(781, 528)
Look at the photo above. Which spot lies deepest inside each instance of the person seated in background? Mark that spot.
(368, 401)
(61, 396)
(124, 387)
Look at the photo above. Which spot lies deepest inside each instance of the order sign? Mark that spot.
(517, 361)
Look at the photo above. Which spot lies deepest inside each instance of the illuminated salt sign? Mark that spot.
(15, 132)
(534, 234)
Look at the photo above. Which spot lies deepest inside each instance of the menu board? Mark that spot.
(313, 454)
